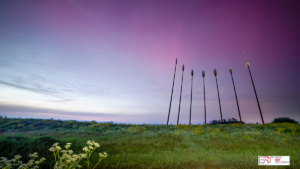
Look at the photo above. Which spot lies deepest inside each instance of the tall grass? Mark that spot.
(182, 146)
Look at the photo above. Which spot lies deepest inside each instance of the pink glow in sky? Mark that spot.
(114, 60)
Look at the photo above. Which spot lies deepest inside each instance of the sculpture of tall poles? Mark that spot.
(203, 74)
(192, 73)
(215, 73)
(237, 102)
(180, 95)
(248, 66)
(172, 93)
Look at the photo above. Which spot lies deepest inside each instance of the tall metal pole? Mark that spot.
(192, 73)
(237, 102)
(172, 93)
(180, 95)
(203, 74)
(215, 73)
(248, 66)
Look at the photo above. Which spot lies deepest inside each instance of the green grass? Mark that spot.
(149, 146)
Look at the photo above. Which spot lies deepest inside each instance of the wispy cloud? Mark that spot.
(29, 112)
(37, 89)
(24, 111)
(61, 101)
(60, 89)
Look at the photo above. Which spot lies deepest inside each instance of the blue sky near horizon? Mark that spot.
(114, 60)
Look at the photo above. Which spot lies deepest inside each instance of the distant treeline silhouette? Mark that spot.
(229, 121)
(284, 120)
(276, 120)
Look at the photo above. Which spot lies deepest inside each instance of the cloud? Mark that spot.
(56, 87)
(44, 113)
(61, 101)
(38, 89)
(27, 111)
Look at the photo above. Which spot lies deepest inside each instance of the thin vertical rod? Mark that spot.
(219, 101)
(237, 102)
(180, 96)
(204, 100)
(172, 93)
(262, 119)
(191, 101)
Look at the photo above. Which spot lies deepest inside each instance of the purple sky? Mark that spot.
(114, 60)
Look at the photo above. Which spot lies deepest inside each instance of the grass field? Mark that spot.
(160, 146)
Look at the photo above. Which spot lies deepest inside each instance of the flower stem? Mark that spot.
(98, 162)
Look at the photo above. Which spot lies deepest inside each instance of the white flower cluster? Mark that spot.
(63, 158)
(89, 149)
(55, 147)
(91, 146)
(16, 163)
(66, 158)
(103, 155)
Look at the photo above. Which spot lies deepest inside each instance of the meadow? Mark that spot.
(154, 146)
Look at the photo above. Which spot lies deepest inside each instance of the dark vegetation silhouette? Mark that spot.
(229, 121)
(284, 120)
(23, 145)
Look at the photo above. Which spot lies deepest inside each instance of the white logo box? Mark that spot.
(273, 160)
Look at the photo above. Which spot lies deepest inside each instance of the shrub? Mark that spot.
(229, 121)
(284, 120)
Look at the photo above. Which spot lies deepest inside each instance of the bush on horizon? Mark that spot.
(229, 121)
(284, 120)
